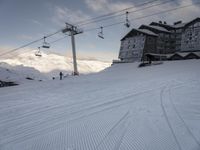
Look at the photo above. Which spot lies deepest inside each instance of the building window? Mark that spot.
(133, 45)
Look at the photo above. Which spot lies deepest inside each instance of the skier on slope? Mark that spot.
(61, 75)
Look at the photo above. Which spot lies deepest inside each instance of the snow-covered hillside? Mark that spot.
(45, 67)
(121, 108)
(20, 74)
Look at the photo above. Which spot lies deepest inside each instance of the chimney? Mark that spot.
(165, 22)
(178, 22)
(160, 22)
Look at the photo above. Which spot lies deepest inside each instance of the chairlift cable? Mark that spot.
(122, 14)
(142, 17)
(49, 35)
(116, 12)
(30, 43)
(87, 30)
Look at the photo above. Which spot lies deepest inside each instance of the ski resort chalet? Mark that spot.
(172, 42)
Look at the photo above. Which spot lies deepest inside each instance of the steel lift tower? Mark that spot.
(73, 30)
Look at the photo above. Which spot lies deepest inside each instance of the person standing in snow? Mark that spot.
(61, 75)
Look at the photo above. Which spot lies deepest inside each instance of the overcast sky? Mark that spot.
(23, 21)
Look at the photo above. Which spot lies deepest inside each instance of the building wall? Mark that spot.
(150, 45)
(165, 41)
(132, 48)
(191, 37)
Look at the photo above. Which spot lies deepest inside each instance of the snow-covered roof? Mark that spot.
(194, 20)
(197, 53)
(159, 28)
(180, 25)
(146, 31)
(155, 54)
(183, 54)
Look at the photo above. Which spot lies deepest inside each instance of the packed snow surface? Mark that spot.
(121, 108)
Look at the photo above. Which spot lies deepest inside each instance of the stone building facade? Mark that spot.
(160, 38)
(191, 36)
(136, 43)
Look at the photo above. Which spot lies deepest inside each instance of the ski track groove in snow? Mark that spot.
(68, 104)
(180, 117)
(64, 106)
(167, 119)
(94, 107)
(190, 139)
(106, 146)
(64, 115)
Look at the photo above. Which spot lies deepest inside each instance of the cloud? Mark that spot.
(95, 55)
(185, 14)
(64, 14)
(5, 51)
(36, 22)
(106, 5)
(24, 37)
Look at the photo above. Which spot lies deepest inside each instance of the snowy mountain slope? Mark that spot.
(51, 64)
(122, 107)
(19, 74)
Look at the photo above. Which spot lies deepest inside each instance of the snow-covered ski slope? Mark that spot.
(121, 108)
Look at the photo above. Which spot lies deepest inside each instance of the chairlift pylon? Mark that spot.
(45, 44)
(38, 53)
(127, 24)
(100, 34)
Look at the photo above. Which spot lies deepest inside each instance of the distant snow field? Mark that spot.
(45, 67)
(121, 108)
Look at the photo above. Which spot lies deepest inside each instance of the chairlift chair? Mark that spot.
(45, 44)
(127, 24)
(100, 34)
(38, 53)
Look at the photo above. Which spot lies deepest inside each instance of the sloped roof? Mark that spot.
(196, 19)
(183, 54)
(148, 32)
(180, 25)
(166, 26)
(144, 31)
(197, 53)
(158, 28)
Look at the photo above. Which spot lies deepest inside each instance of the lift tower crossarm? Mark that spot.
(73, 30)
